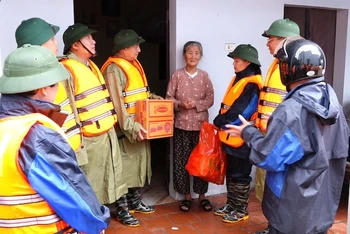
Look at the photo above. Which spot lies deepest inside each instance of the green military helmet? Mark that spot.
(282, 28)
(74, 33)
(35, 31)
(124, 39)
(246, 52)
(31, 67)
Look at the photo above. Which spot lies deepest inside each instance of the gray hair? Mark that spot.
(192, 43)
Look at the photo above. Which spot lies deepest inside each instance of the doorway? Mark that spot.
(149, 20)
(318, 25)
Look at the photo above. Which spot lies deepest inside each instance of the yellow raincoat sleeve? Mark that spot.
(116, 83)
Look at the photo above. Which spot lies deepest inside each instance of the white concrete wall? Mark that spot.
(13, 12)
(215, 23)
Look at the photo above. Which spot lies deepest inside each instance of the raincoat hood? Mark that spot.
(317, 98)
(14, 105)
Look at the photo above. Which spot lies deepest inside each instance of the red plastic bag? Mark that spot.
(207, 160)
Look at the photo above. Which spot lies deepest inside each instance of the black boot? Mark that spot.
(123, 213)
(241, 213)
(230, 203)
(135, 204)
(265, 231)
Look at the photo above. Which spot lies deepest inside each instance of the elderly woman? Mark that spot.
(193, 94)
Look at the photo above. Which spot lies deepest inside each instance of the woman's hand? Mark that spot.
(236, 131)
(188, 104)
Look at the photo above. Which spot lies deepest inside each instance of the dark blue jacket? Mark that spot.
(304, 153)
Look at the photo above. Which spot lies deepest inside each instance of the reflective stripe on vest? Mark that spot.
(266, 103)
(21, 208)
(232, 93)
(94, 105)
(43, 220)
(17, 200)
(74, 138)
(137, 86)
(271, 96)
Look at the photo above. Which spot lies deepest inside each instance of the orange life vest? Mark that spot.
(271, 96)
(92, 100)
(136, 87)
(22, 209)
(232, 93)
(70, 127)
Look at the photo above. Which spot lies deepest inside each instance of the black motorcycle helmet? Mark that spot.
(299, 60)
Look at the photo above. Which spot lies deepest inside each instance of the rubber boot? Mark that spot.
(123, 213)
(230, 203)
(135, 204)
(242, 192)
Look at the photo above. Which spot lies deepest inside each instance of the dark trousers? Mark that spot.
(238, 169)
(184, 142)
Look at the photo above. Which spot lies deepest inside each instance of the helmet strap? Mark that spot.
(93, 55)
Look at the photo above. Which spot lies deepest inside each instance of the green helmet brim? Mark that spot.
(21, 84)
(31, 67)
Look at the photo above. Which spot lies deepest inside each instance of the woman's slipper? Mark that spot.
(206, 205)
(185, 205)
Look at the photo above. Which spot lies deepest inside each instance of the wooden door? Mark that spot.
(317, 25)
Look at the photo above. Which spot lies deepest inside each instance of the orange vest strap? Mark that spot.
(84, 94)
(73, 130)
(67, 230)
(274, 90)
(97, 118)
(267, 103)
(224, 106)
(130, 104)
(64, 102)
(263, 116)
(135, 91)
(93, 105)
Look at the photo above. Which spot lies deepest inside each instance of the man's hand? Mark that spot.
(234, 130)
(156, 97)
(141, 133)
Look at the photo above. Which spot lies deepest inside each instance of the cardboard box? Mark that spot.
(156, 116)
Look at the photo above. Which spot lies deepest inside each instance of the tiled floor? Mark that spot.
(169, 219)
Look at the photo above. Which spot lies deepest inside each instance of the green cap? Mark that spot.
(282, 28)
(74, 33)
(29, 68)
(246, 52)
(124, 39)
(35, 31)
